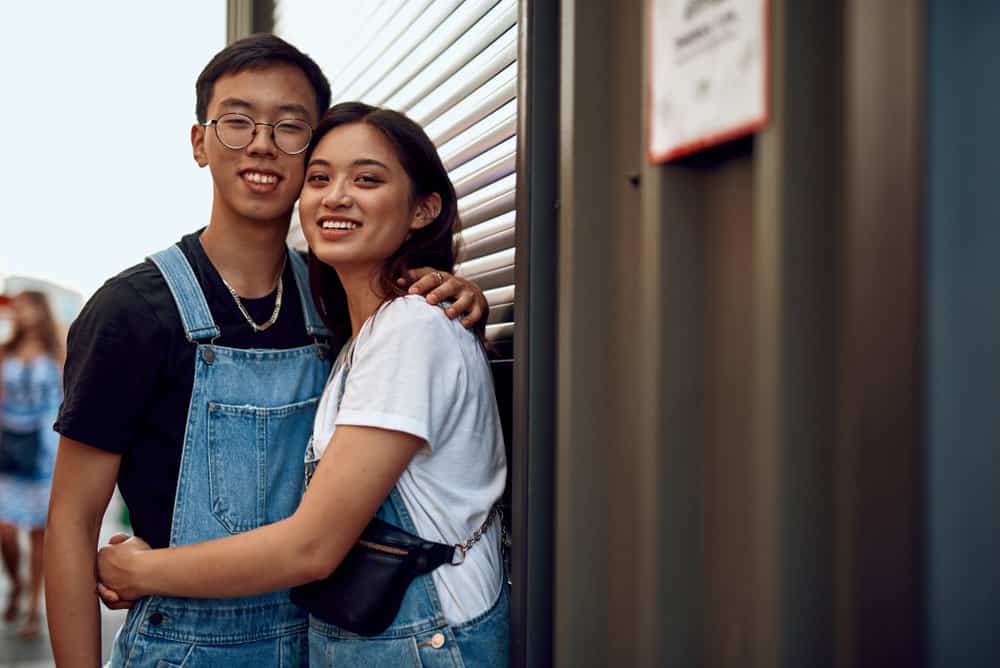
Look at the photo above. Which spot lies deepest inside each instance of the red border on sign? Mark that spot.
(723, 135)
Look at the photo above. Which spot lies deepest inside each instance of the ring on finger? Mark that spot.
(439, 276)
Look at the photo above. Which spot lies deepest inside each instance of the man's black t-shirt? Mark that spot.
(130, 371)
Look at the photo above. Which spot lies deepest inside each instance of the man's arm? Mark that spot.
(82, 485)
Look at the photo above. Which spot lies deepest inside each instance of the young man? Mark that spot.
(192, 379)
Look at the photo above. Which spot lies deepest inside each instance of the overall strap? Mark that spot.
(195, 314)
(314, 325)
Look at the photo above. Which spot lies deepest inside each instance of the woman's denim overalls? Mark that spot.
(420, 635)
(249, 421)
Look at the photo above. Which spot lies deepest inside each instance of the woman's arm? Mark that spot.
(355, 475)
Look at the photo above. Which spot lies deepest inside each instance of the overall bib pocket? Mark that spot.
(148, 652)
(255, 461)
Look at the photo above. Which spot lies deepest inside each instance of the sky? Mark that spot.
(99, 103)
(98, 106)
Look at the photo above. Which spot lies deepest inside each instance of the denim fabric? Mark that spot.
(420, 635)
(250, 418)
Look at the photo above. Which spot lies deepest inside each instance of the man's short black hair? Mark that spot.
(258, 51)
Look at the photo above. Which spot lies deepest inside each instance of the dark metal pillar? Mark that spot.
(245, 17)
(534, 438)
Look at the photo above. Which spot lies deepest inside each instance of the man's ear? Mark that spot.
(427, 211)
(198, 144)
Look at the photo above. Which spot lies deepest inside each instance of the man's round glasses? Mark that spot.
(236, 131)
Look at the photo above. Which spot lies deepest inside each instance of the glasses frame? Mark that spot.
(214, 122)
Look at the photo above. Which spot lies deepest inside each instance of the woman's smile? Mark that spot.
(335, 229)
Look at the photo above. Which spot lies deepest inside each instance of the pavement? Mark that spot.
(18, 653)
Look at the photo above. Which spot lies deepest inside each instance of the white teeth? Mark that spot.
(256, 177)
(339, 225)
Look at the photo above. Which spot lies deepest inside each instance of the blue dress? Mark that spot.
(32, 392)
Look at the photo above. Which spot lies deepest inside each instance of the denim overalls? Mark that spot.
(250, 418)
(420, 636)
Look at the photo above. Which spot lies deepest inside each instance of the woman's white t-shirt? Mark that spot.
(416, 371)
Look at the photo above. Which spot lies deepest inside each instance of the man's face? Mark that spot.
(258, 182)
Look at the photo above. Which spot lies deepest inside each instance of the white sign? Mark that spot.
(708, 73)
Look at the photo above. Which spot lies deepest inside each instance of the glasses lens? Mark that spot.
(235, 130)
(292, 136)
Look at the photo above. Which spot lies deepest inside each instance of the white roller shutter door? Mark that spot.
(452, 67)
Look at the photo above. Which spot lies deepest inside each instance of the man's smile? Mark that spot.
(259, 180)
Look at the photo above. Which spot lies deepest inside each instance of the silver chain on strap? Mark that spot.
(462, 549)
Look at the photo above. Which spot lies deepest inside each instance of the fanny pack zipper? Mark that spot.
(383, 548)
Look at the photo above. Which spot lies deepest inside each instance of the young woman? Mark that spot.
(407, 427)
(30, 394)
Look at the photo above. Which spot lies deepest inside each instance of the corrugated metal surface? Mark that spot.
(452, 67)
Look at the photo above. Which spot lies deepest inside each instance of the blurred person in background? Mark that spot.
(30, 394)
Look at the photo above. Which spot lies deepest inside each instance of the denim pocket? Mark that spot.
(255, 461)
(396, 652)
(155, 653)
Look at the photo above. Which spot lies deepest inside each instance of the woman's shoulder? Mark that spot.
(413, 311)
(412, 324)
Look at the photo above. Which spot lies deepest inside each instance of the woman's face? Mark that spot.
(27, 314)
(356, 205)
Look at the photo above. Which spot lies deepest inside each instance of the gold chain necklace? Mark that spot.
(243, 310)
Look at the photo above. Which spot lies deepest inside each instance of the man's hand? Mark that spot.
(437, 286)
(117, 571)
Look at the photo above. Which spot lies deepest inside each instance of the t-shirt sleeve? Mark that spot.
(406, 372)
(114, 354)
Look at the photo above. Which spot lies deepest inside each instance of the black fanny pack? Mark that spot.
(365, 592)
(19, 452)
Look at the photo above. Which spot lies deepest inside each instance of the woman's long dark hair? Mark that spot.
(430, 246)
(48, 332)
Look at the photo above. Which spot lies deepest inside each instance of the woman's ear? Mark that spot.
(427, 211)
